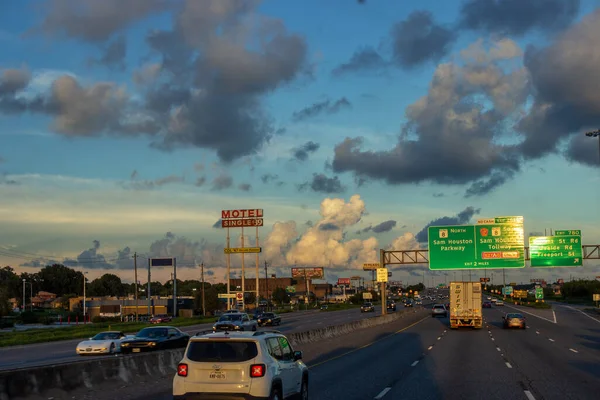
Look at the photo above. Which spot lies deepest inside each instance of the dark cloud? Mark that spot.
(447, 126)
(267, 178)
(517, 17)
(364, 230)
(485, 186)
(113, 54)
(565, 103)
(385, 226)
(364, 59)
(218, 224)
(301, 153)
(322, 107)
(201, 181)
(328, 227)
(95, 21)
(222, 181)
(150, 184)
(419, 39)
(461, 218)
(323, 184)
(245, 187)
(92, 259)
(438, 195)
(583, 149)
(214, 67)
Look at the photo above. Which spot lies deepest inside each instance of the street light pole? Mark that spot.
(84, 307)
(24, 300)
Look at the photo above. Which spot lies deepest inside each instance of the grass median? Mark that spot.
(16, 338)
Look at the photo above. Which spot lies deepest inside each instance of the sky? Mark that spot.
(126, 127)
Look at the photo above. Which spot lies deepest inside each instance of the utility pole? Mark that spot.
(174, 287)
(136, 285)
(24, 300)
(203, 299)
(149, 294)
(267, 282)
(383, 284)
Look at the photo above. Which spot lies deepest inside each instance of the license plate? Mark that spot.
(217, 375)
(135, 350)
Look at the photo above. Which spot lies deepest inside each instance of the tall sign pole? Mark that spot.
(175, 287)
(243, 218)
(257, 273)
(383, 284)
(136, 284)
(149, 294)
(203, 299)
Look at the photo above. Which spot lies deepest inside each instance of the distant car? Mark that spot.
(487, 304)
(367, 307)
(439, 310)
(235, 322)
(499, 303)
(494, 300)
(391, 305)
(324, 307)
(161, 318)
(103, 343)
(409, 303)
(514, 320)
(155, 338)
(269, 318)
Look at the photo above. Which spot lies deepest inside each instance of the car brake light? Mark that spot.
(257, 370)
(182, 370)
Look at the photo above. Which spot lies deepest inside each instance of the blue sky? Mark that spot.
(127, 128)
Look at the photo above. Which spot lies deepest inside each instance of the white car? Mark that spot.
(103, 343)
(248, 365)
(235, 322)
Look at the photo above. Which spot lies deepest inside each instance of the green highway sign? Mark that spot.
(539, 293)
(556, 251)
(492, 244)
(574, 232)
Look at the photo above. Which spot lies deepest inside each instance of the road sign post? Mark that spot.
(539, 294)
(494, 243)
(564, 249)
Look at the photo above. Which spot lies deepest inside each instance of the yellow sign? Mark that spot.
(236, 250)
(382, 275)
(521, 294)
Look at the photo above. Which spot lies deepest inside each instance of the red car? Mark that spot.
(158, 319)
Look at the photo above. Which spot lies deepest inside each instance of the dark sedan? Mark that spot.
(155, 338)
(269, 318)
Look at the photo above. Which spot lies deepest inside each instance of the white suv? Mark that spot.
(245, 365)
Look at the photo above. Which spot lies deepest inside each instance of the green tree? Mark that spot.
(4, 303)
(60, 280)
(10, 282)
(280, 296)
(106, 285)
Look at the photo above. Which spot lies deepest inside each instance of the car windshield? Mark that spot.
(509, 316)
(438, 306)
(230, 317)
(367, 305)
(152, 333)
(229, 351)
(107, 336)
(267, 315)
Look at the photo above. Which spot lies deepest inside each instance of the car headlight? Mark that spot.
(237, 327)
(152, 344)
(124, 344)
(268, 320)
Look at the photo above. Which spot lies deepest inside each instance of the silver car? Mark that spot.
(439, 310)
(235, 322)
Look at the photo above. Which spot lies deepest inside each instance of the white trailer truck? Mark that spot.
(465, 305)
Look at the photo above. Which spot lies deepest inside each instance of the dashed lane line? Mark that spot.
(529, 395)
(383, 393)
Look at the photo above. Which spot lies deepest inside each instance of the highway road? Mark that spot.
(423, 359)
(64, 351)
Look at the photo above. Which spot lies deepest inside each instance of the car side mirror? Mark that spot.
(297, 355)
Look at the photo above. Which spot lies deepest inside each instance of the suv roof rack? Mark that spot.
(258, 333)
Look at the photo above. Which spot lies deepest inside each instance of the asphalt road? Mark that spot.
(423, 359)
(64, 351)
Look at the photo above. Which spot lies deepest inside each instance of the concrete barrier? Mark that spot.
(338, 330)
(93, 374)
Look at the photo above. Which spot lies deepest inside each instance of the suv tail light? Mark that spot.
(182, 370)
(258, 370)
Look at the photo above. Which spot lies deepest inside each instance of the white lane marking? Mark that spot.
(430, 347)
(529, 395)
(537, 332)
(537, 316)
(439, 337)
(574, 351)
(508, 365)
(584, 313)
(383, 393)
(414, 363)
(493, 339)
(498, 348)
(552, 340)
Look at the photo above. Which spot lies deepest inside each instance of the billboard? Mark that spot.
(310, 273)
(343, 281)
(244, 218)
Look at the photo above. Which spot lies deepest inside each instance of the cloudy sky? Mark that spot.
(126, 126)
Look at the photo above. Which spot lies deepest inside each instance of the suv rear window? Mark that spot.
(222, 351)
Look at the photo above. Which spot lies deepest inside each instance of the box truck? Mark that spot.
(465, 305)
